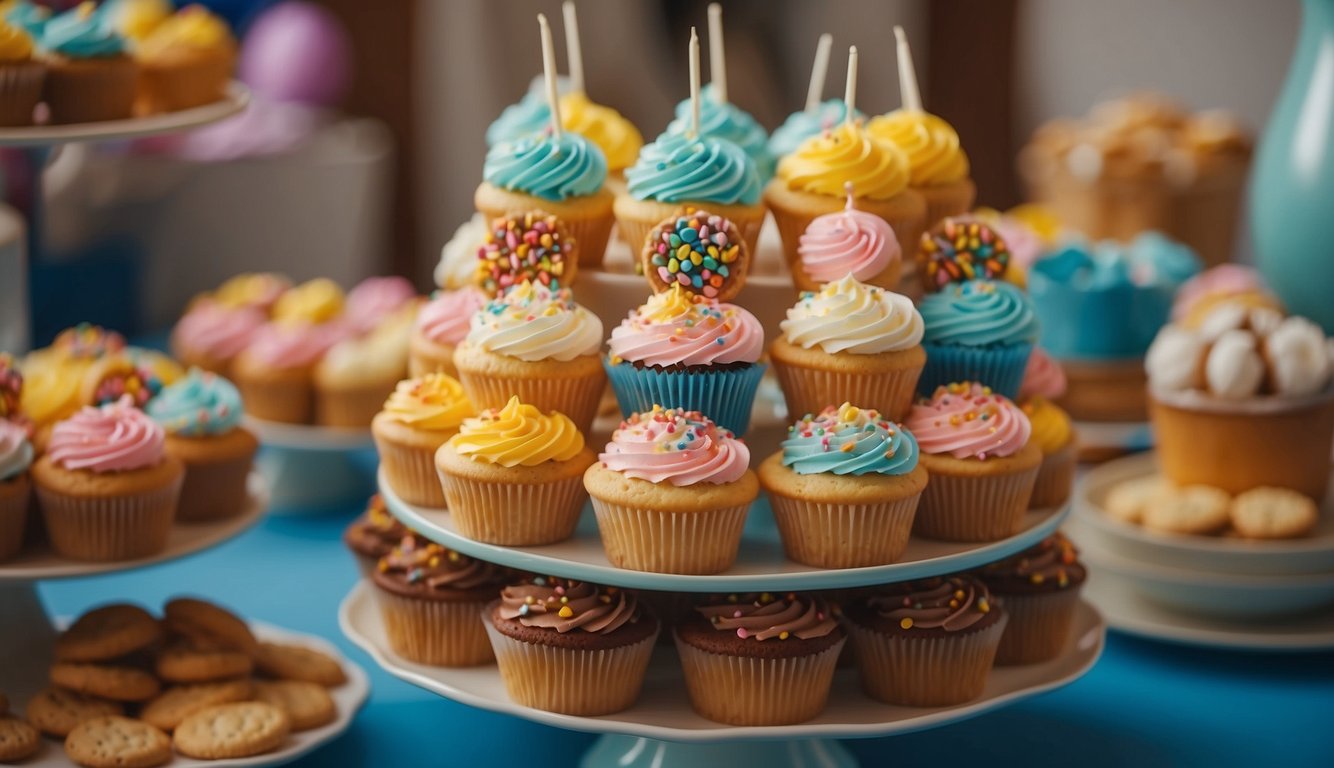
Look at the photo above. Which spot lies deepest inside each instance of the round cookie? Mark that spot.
(307, 705)
(173, 705)
(18, 739)
(208, 624)
(232, 731)
(1194, 509)
(296, 662)
(117, 742)
(184, 664)
(105, 681)
(702, 252)
(108, 632)
(1273, 513)
(56, 711)
(1127, 500)
(959, 249)
(534, 246)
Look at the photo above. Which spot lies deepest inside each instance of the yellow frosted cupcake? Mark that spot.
(356, 374)
(89, 75)
(937, 165)
(20, 77)
(54, 375)
(1055, 437)
(186, 61)
(417, 419)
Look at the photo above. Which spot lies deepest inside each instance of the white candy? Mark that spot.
(1299, 357)
(1234, 368)
(1173, 360)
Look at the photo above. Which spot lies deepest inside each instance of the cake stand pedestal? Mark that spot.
(310, 467)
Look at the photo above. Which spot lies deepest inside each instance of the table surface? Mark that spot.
(1145, 704)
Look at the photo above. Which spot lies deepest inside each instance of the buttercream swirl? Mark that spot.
(52, 391)
(847, 242)
(823, 164)
(1043, 377)
(314, 301)
(1051, 426)
(802, 125)
(198, 405)
(547, 166)
(375, 298)
(445, 319)
(431, 567)
(29, 17)
(847, 440)
(675, 446)
(15, 43)
(80, 34)
(969, 421)
(193, 28)
(566, 606)
(15, 450)
(525, 117)
(676, 327)
(1231, 283)
(931, 144)
(116, 437)
(618, 138)
(532, 322)
(951, 604)
(979, 313)
(293, 345)
(677, 168)
(252, 289)
(724, 120)
(848, 316)
(1052, 564)
(86, 342)
(215, 330)
(376, 529)
(769, 617)
(434, 402)
(518, 435)
(135, 19)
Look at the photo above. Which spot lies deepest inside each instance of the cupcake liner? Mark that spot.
(214, 491)
(570, 681)
(289, 401)
(90, 90)
(410, 471)
(1056, 478)
(514, 514)
(1039, 625)
(438, 633)
(428, 357)
(15, 498)
(999, 367)
(725, 395)
(110, 528)
(20, 91)
(670, 541)
(577, 398)
(184, 84)
(350, 408)
(811, 390)
(926, 671)
(974, 507)
(745, 690)
(832, 535)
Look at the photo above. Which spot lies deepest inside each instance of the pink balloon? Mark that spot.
(297, 52)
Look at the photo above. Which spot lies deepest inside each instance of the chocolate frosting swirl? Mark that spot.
(433, 567)
(1053, 564)
(952, 604)
(565, 605)
(765, 617)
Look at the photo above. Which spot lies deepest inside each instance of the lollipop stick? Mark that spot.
(573, 50)
(717, 57)
(818, 72)
(694, 83)
(549, 71)
(850, 93)
(912, 99)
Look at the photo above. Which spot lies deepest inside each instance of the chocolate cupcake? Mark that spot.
(927, 643)
(570, 646)
(430, 598)
(1039, 589)
(373, 534)
(760, 659)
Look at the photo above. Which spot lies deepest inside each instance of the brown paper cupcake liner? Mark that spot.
(110, 528)
(570, 681)
(351, 408)
(931, 671)
(91, 90)
(1056, 478)
(287, 402)
(974, 507)
(15, 499)
(830, 535)
(20, 91)
(744, 690)
(410, 472)
(214, 491)
(438, 633)
(185, 84)
(514, 514)
(666, 541)
(1039, 625)
(577, 398)
(952, 199)
(811, 390)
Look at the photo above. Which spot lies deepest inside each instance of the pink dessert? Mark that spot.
(847, 242)
(1043, 377)
(968, 420)
(373, 299)
(677, 447)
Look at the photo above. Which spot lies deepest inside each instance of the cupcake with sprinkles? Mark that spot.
(54, 375)
(928, 643)
(960, 249)
(373, 534)
(201, 415)
(419, 417)
(532, 246)
(430, 598)
(671, 492)
(844, 488)
(116, 376)
(764, 659)
(848, 242)
(211, 334)
(16, 456)
(570, 646)
(441, 325)
(976, 446)
(1039, 589)
(701, 252)
(977, 330)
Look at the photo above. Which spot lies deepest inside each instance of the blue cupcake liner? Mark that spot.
(1000, 367)
(725, 395)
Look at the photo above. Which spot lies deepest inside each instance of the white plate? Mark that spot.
(1311, 554)
(663, 710)
(236, 99)
(760, 565)
(308, 437)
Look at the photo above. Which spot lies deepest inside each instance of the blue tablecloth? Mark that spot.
(1144, 704)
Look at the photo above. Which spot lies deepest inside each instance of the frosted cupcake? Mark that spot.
(211, 334)
(1054, 435)
(54, 375)
(804, 124)
(849, 242)
(418, 418)
(514, 476)
(617, 137)
(356, 374)
(119, 375)
(720, 119)
(186, 61)
(373, 534)
(375, 301)
(850, 342)
(442, 324)
(844, 488)
(536, 344)
(937, 165)
(671, 492)
(260, 290)
(1039, 589)
(16, 456)
(89, 76)
(1196, 298)
(684, 351)
(21, 76)
(530, 246)
(977, 330)
(28, 16)
(977, 451)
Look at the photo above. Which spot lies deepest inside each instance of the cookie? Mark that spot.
(169, 708)
(307, 705)
(117, 742)
(105, 681)
(55, 711)
(184, 664)
(108, 632)
(1127, 500)
(1273, 513)
(296, 662)
(1194, 509)
(208, 625)
(232, 731)
(18, 739)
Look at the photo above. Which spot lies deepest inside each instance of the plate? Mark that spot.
(760, 565)
(235, 100)
(308, 437)
(663, 710)
(1312, 554)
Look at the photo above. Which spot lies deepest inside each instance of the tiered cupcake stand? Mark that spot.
(662, 729)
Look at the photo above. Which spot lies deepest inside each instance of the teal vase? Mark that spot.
(1292, 188)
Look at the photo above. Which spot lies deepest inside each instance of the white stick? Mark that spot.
(694, 83)
(717, 58)
(850, 93)
(573, 50)
(818, 72)
(912, 98)
(549, 71)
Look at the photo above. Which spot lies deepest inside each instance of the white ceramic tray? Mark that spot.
(236, 99)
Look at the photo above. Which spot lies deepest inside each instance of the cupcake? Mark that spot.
(377, 300)
(28, 16)
(211, 334)
(201, 415)
(119, 375)
(442, 324)
(356, 374)
(684, 351)
(417, 419)
(186, 61)
(1054, 435)
(20, 76)
(720, 119)
(570, 646)
(514, 476)
(937, 165)
(760, 659)
(457, 267)
(849, 342)
(54, 375)
(1039, 590)
(537, 344)
(431, 599)
(977, 330)
(977, 451)
(16, 456)
(108, 488)
(89, 76)
(373, 534)
(844, 488)
(804, 124)
(1197, 297)
(135, 20)
(260, 290)
(928, 643)
(700, 252)
(671, 492)
(847, 242)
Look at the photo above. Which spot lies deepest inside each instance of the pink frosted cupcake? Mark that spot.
(15, 489)
(1053, 432)
(373, 300)
(1043, 377)
(276, 372)
(442, 324)
(210, 335)
(1224, 284)
(848, 242)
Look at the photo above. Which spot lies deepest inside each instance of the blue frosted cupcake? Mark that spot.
(725, 120)
(804, 124)
(978, 330)
(89, 75)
